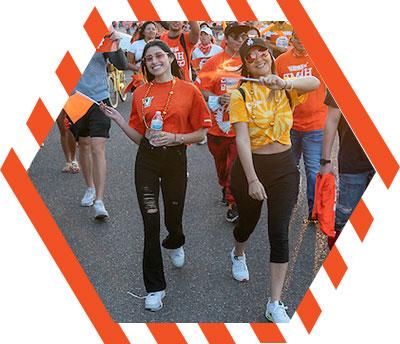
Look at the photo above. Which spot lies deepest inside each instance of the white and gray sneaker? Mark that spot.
(153, 301)
(177, 257)
(276, 312)
(239, 267)
(89, 197)
(100, 212)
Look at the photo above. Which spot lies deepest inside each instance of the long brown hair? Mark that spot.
(143, 28)
(175, 69)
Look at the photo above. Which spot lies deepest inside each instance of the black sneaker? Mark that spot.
(232, 215)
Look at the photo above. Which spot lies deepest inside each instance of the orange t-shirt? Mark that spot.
(218, 76)
(187, 111)
(177, 49)
(312, 114)
(280, 36)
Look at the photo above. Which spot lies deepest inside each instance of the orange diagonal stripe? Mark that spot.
(144, 10)
(361, 219)
(68, 73)
(268, 333)
(194, 10)
(30, 200)
(216, 333)
(335, 266)
(95, 27)
(40, 122)
(365, 130)
(241, 9)
(309, 311)
(166, 333)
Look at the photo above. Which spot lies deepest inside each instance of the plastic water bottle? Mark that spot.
(157, 122)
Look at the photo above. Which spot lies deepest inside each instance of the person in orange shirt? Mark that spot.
(278, 37)
(218, 77)
(162, 123)
(182, 43)
(309, 118)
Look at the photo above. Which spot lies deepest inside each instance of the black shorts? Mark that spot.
(93, 124)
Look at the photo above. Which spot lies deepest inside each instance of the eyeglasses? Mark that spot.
(262, 52)
(157, 56)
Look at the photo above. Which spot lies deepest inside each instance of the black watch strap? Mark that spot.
(323, 162)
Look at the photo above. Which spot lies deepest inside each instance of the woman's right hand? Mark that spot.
(257, 191)
(111, 112)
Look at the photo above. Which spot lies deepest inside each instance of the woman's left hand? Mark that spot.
(162, 138)
(273, 82)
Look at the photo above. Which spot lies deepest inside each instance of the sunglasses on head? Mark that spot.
(251, 57)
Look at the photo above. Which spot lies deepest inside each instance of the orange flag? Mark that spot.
(78, 105)
(107, 44)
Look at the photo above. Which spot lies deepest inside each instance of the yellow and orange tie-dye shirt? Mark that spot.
(269, 120)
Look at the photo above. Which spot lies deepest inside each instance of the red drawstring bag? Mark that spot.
(324, 203)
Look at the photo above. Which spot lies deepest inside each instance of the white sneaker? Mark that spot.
(239, 267)
(89, 197)
(177, 257)
(100, 212)
(153, 301)
(276, 312)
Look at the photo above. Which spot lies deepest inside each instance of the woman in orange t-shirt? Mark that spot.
(162, 123)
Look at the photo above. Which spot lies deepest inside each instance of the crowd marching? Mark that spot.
(251, 93)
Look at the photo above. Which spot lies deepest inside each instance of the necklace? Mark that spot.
(164, 111)
(254, 104)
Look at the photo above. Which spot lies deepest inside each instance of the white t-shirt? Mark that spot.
(137, 48)
(198, 54)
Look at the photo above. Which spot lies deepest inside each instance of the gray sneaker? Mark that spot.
(177, 257)
(153, 301)
(100, 212)
(239, 268)
(89, 197)
(276, 312)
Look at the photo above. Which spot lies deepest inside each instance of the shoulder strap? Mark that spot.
(241, 90)
(183, 43)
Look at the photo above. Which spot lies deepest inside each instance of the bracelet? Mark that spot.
(182, 140)
(252, 181)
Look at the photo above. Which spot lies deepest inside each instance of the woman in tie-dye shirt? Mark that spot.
(262, 116)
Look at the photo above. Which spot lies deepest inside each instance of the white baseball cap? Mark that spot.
(207, 30)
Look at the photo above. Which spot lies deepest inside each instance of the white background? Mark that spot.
(36, 303)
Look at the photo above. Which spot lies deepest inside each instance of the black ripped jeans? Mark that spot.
(155, 167)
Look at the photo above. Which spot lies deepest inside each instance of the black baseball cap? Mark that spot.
(235, 28)
(250, 43)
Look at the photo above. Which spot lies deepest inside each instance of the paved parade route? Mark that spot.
(203, 290)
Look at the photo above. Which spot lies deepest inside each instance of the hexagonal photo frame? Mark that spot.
(40, 123)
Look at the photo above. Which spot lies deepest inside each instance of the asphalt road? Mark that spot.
(203, 290)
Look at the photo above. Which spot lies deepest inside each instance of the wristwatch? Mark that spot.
(323, 162)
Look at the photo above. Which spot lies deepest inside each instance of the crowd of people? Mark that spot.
(251, 93)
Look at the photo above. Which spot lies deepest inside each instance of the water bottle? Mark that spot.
(157, 122)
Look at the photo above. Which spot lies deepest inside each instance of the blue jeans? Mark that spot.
(308, 143)
(351, 188)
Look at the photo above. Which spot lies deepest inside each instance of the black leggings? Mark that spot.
(280, 177)
(155, 167)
